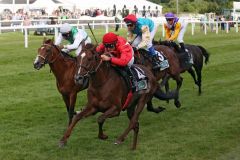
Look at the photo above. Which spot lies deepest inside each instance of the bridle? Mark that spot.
(92, 70)
(49, 53)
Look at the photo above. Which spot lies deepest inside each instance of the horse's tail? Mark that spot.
(205, 53)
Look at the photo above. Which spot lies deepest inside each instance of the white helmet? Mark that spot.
(65, 28)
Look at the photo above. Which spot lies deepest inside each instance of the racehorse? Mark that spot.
(174, 70)
(64, 69)
(198, 54)
(107, 93)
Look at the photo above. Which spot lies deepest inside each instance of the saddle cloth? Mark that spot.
(162, 60)
(140, 78)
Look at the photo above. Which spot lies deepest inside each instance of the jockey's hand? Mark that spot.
(105, 57)
(61, 46)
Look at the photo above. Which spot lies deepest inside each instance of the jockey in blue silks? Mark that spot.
(145, 30)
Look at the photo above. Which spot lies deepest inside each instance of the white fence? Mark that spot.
(107, 24)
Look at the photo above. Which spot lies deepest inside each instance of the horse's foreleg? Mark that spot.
(133, 123)
(150, 107)
(179, 80)
(66, 100)
(85, 113)
(111, 112)
(72, 103)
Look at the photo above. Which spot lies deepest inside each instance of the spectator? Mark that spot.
(26, 22)
(124, 11)
(117, 20)
(144, 12)
(114, 10)
(135, 10)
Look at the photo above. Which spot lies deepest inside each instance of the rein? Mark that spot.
(91, 71)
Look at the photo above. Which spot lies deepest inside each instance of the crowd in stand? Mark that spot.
(67, 14)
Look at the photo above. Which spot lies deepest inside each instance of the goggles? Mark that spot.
(65, 34)
(169, 19)
(109, 45)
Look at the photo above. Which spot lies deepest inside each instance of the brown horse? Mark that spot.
(198, 54)
(174, 69)
(64, 69)
(107, 93)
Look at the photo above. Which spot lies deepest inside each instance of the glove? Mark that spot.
(134, 49)
(61, 46)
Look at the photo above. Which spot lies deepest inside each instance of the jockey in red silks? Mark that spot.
(122, 56)
(122, 51)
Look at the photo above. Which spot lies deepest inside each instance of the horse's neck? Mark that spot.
(102, 75)
(61, 67)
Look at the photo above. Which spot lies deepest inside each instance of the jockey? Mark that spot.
(145, 29)
(74, 36)
(121, 50)
(175, 29)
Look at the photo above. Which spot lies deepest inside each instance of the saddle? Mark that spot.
(134, 77)
(160, 58)
(163, 61)
(139, 78)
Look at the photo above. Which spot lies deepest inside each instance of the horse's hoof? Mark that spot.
(103, 137)
(62, 144)
(158, 109)
(177, 104)
(117, 142)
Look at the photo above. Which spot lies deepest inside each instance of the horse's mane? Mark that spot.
(89, 46)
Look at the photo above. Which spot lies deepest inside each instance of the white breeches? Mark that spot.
(152, 34)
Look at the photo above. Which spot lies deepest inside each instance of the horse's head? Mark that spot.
(88, 63)
(45, 54)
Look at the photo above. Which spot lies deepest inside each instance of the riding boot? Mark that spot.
(155, 59)
(130, 78)
(182, 47)
(175, 46)
(184, 50)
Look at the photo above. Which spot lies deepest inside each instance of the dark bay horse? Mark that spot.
(173, 71)
(64, 69)
(198, 55)
(107, 93)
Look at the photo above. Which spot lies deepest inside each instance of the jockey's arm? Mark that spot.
(100, 48)
(76, 42)
(176, 32)
(130, 36)
(168, 31)
(125, 57)
(145, 37)
(59, 39)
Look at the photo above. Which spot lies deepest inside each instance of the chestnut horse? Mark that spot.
(198, 54)
(107, 93)
(64, 69)
(174, 70)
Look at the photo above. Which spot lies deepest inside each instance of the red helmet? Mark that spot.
(109, 38)
(131, 18)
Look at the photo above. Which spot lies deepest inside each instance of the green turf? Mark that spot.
(33, 117)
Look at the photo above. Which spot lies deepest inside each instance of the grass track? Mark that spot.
(33, 117)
